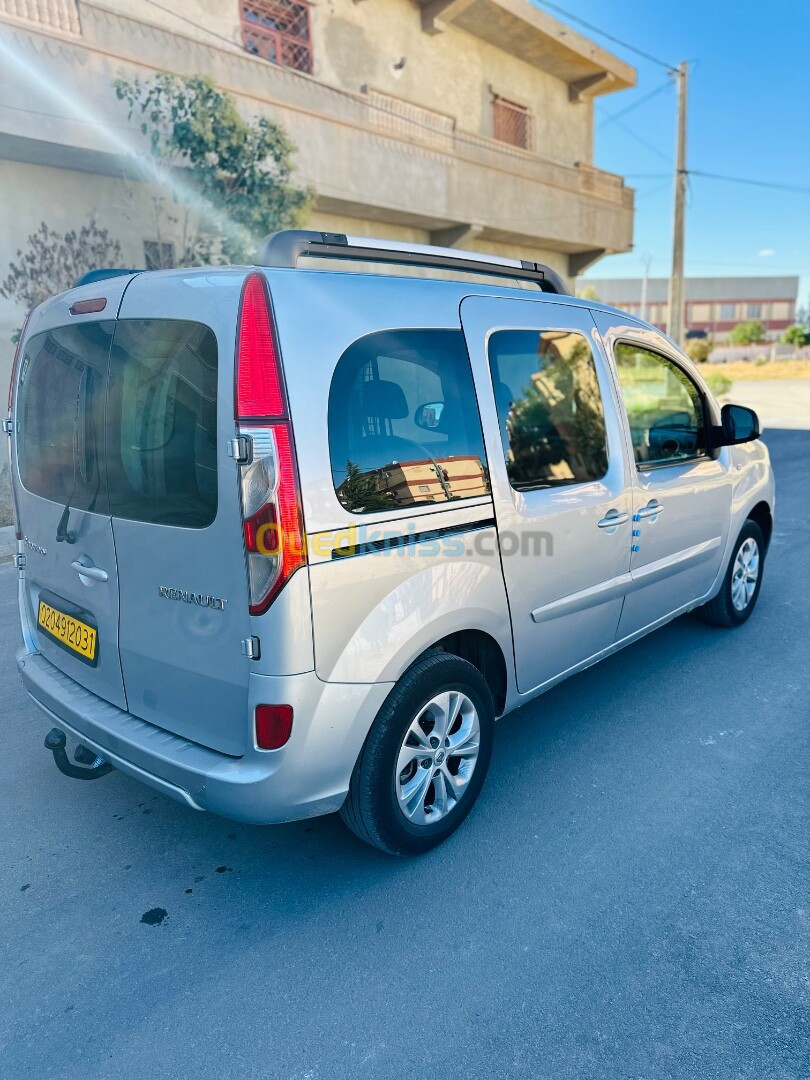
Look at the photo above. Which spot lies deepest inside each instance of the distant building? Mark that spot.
(714, 305)
(405, 483)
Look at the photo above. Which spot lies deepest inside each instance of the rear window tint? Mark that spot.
(404, 428)
(162, 423)
(60, 408)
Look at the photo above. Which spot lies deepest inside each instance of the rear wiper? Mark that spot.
(63, 535)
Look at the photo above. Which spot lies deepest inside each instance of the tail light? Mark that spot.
(271, 499)
(273, 726)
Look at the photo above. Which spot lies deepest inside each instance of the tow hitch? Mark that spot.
(90, 766)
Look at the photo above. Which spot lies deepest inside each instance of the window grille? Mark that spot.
(278, 31)
(512, 123)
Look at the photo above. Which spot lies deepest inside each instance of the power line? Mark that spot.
(610, 118)
(605, 34)
(752, 183)
(644, 142)
(728, 179)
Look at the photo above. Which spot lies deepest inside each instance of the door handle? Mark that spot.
(650, 510)
(94, 573)
(612, 519)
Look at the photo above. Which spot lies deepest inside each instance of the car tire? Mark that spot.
(409, 790)
(738, 595)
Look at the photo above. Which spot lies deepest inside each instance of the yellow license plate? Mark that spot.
(74, 634)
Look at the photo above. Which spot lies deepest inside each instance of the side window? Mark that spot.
(549, 408)
(664, 407)
(404, 428)
(162, 423)
(63, 376)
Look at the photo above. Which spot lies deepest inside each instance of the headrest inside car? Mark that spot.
(384, 400)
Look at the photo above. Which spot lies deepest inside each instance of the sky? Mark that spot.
(749, 116)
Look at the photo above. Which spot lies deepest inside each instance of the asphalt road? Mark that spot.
(630, 899)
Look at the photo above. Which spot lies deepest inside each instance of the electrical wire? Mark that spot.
(644, 142)
(753, 183)
(610, 118)
(605, 34)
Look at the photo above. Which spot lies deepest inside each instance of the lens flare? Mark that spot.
(141, 163)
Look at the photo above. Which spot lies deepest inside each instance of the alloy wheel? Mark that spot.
(437, 758)
(745, 574)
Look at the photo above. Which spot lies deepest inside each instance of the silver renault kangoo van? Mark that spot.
(292, 536)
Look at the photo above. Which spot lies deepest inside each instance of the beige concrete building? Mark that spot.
(466, 122)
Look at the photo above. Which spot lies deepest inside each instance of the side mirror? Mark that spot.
(738, 425)
(429, 416)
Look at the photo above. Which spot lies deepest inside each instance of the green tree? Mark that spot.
(361, 490)
(588, 292)
(794, 335)
(747, 333)
(52, 262)
(698, 349)
(239, 171)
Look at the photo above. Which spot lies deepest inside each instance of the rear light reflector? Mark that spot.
(273, 726)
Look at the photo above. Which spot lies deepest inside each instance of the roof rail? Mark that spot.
(101, 275)
(285, 248)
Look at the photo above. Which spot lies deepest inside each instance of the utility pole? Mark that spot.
(675, 327)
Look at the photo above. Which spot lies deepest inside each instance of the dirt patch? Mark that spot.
(771, 369)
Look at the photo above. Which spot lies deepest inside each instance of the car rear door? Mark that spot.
(70, 574)
(174, 500)
(559, 475)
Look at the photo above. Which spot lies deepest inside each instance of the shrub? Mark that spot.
(747, 333)
(698, 349)
(718, 383)
(795, 335)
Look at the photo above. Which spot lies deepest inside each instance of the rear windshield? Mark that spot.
(60, 410)
(162, 423)
(150, 455)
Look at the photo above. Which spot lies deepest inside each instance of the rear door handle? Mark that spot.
(612, 519)
(650, 510)
(95, 573)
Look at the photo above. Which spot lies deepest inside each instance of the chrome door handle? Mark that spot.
(612, 519)
(650, 510)
(95, 573)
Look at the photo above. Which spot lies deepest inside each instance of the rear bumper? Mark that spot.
(307, 777)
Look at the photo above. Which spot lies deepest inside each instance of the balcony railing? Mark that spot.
(428, 127)
(54, 14)
(437, 131)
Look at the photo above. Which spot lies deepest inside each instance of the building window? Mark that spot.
(278, 31)
(512, 123)
(158, 254)
(728, 311)
(754, 311)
